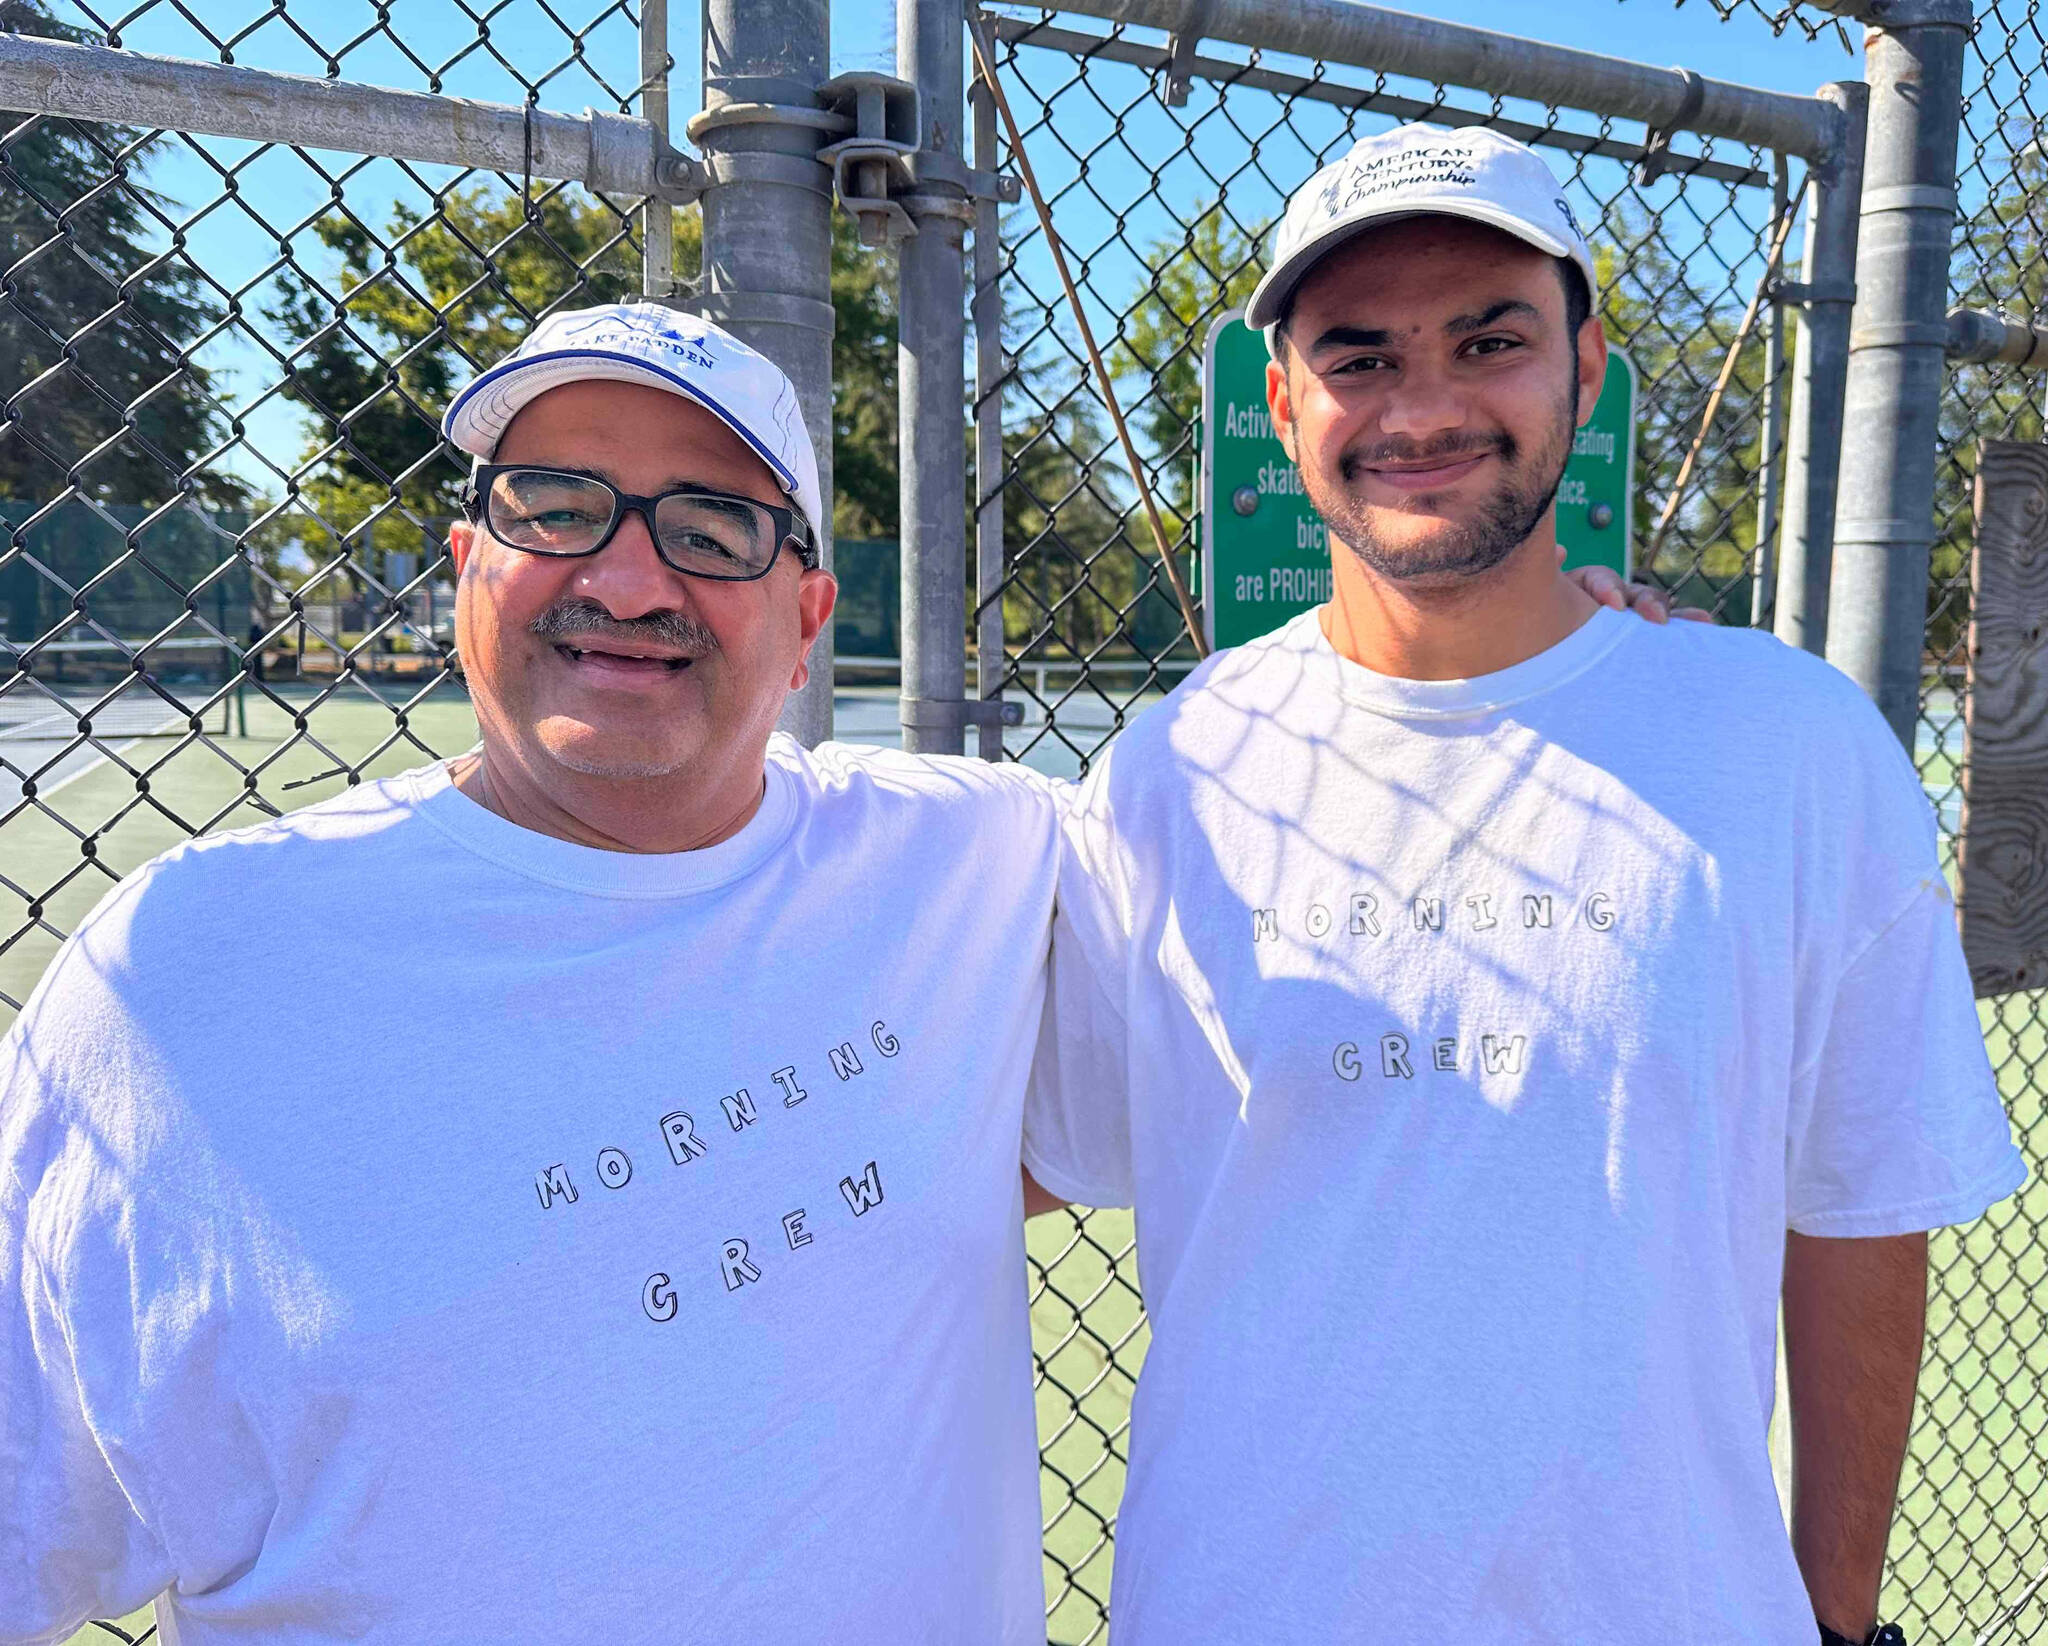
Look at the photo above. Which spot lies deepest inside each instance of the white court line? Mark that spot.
(90, 761)
(90, 757)
(26, 729)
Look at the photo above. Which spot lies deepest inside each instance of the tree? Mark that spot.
(433, 298)
(1678, 335)
(95, 320)
(418, 308)
(94, 329)
(1065, 547)
(1191, 283)
(1086, 576)
(864, 495)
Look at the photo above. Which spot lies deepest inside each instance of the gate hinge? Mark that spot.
(1181, 47)
(1799, 294)
(1657, 150)
(947, 714)
(882, 178)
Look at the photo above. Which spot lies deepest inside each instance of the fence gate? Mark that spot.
(223, 359)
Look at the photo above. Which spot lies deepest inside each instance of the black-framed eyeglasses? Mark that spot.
(697, 530)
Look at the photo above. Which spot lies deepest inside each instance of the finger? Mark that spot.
(1693, 614)
(1603, 584)
(1653, 605)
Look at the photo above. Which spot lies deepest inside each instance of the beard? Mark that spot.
(1463, 548)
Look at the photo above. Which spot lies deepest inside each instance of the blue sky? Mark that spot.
(273, 195)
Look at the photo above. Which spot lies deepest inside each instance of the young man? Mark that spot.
(1471, 989)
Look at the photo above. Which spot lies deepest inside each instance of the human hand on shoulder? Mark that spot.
(1606, 586)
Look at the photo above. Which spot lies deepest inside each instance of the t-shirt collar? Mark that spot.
(589, 869)
(1401, 699)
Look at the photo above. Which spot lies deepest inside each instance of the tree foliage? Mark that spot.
(1191, 282)
(864, 498)
(419, 305)
(96, 317)
(1677, 320)
(415, 309)
(1089, 581)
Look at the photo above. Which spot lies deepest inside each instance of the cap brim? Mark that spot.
(1270, 297)
(478, 419)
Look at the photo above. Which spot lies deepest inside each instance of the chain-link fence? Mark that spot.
(1971, 1546)
(1165, 212)
(222, 586)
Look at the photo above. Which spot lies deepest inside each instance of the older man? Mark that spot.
(1493, 1007)
(612, 1217)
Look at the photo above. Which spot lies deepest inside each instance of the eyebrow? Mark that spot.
(1350, 337)
(673, 483)
(1363, 337)
(1479, 322)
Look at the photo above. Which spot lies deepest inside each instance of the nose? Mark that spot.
(627, 577)
(1423, 402)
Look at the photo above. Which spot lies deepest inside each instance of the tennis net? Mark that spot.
(65, 690)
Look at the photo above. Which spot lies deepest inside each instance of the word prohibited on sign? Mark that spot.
(1265, 550)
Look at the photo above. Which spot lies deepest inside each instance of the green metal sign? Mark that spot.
(1265, 551)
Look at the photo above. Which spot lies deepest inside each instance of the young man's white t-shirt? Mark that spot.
(1468, 1049)
(417, 1228)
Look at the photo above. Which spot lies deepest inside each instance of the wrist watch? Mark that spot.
(1885, 1634)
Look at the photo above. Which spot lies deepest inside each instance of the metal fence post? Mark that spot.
(1770, 467)
(1813, 450)
(931, 378)
(1884, 531)
(989, 373)
(657, 217)
(768, 232)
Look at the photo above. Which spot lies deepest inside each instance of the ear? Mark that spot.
(817, 592)
(1592, 342)
(1281, 404)
(461, 539)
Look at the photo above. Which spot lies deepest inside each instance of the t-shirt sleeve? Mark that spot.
(72, 1544)
(1897, 1124)
(1077, 1136)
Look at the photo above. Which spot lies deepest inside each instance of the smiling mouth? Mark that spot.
(1434, 469)
(635, 662)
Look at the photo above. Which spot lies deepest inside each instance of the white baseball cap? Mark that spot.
(1418, 171)
(654, 344)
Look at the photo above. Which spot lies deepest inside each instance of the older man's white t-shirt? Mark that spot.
(1468, 1048)
(417, 1228)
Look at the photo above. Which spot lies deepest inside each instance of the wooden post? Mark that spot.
(2003, 852)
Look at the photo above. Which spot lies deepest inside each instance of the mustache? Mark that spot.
(1452, 446)
(587, 620)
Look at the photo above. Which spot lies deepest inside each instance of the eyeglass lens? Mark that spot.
(546, 513)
